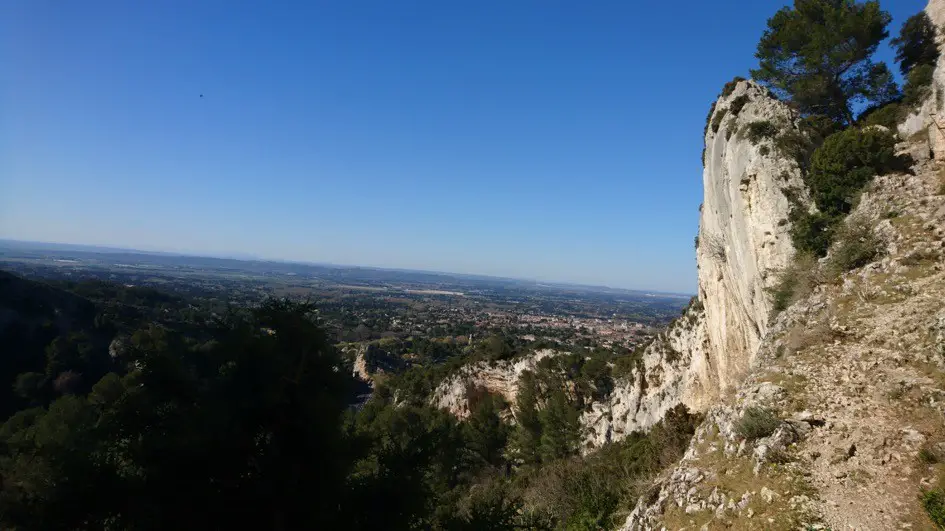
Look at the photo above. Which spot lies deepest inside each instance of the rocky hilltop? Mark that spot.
(834, 415)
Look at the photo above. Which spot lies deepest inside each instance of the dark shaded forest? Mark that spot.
(128, 408)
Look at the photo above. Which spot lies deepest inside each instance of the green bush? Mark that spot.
(586, 493)
(708, 119)
(492, 506)
(760, 130)
(795, 145)
(729, 87)
(839, 169)
(756, 423)
(856, 246)
(798, 144)
(795, 282)
(845, 163)
(918, 85)
(812, 232)
(888, 115)
(624, 366)
(934, 503)
(737, 104)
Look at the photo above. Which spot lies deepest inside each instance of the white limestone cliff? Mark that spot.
(498, 377)
(743, 241)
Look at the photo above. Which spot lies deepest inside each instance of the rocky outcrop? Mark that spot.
(746, 233)
(496, 377)
(371, 359)
(659, 383)
(743, 241)
(694, 489)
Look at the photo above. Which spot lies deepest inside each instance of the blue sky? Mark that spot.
(536, 139)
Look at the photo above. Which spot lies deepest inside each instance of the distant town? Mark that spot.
(365, 304)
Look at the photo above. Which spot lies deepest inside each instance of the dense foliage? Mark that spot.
(845, 163)
(244, 429)
(915, 45)
(839, 169)
(138, 410)
(818, 54)
(917, 54)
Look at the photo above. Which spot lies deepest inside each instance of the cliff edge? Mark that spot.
(743, 240)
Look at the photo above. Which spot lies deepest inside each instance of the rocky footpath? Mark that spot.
(850, 378)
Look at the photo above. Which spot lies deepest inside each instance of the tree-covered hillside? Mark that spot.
(128, 408)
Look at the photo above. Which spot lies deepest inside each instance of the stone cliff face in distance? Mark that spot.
(743, 241)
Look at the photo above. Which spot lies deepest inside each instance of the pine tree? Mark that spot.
(485, 433)
(560, 427)
(818, 54)
(528, 425)
(915, 44)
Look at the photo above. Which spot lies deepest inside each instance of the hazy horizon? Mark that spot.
(249, 258)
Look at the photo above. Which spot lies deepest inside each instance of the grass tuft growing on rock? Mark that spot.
(757, 422)
(795, 282)
(715, 247)
(928, 456)
(856, 246)
(934, 503)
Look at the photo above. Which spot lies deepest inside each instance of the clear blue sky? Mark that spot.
(537, 139)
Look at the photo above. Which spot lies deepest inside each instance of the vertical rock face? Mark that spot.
(743, 241)
(743, 232)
